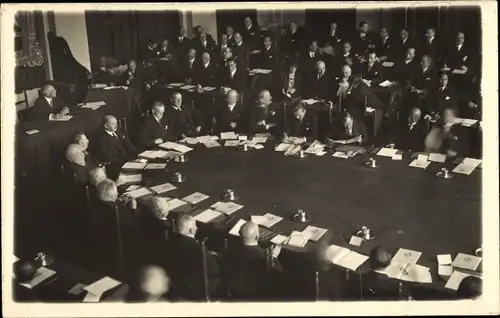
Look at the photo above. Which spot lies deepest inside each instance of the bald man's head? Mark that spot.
(74, 154)
(159, 207)
(49, 91)
(154, 282)
(186, 225)
(110, 123)
(346, 70)
(205, 57)
(320, 67)
(415, 115)
(249, 233)
(232, 97)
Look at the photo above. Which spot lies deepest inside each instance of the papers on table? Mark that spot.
(134, 165)
(176, 84)
(77, 289)
(137, 193)
(99, 287)
(164, 187)
(336, 253)
(387, 64)
(149, 154)
(461, 72)
(189, 140)
(348, 141)
(283, 147)
(207, 216)
(211, 144)
(162, 154)
(93, 105)
(314, 233)
(387, 152)
(266, 134)
(339, 154)
(369, 110)
(314, 150)
(437, 157)
(260, 71)
(279, 239)
(63, 118)
(409, 272)
(236, 228)
(242, 137)
(456, 278)
(404, 256)
(187, 87)
(32, 132)
(419, 164)
(132, 187)
(297, 239)
(266, 220)
(231, 143)
(445, 270)
(397, 156)
(91, 298)
(227, 208)
(41, 275)
(259, 139)
(444, 259)
(467, 166)
(293, 150)
(175, 203)
(203, 139)
(175, 146)
(465, 261)
(310, 101)
(352, 260)
(466, 122)
(155, 166)
(99, 85)
(386, 83)
(130, 178)
(258, 146)
(195, 198)
(228, 135)
(356, 240)
(208, 88)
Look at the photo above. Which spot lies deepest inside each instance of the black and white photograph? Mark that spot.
(235, 159)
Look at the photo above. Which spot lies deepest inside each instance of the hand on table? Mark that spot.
(64, 111)
(471, 104)
(261, 123)
(198, 129)
(233, 124)
(451, 153)
(270, 125)
(330, 142)
(391, 146)
(158, 141)
(286, 139)
(464, 68)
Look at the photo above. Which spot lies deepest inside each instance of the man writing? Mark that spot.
(302, 127)
(48, 106)
(155, 129)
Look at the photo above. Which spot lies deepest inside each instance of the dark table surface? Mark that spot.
(405, 207)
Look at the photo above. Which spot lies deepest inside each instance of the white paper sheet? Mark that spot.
(465, 261)
(101, 286)
(283, 147)
(339, 154)
(130, 178)
(456, 71)
(161, 154)
(471, 162)
(175, 203)
(422, 157)
(203, 139)
(41, 275)
(455, 279)
(417, 274)
(352, 260)
(186, 87)
(182, 148)
(464, 169)
(211, 144)
(242, 137)
(231, 143)
(258, 146)
(168, 145)
(258, 219)
(208, 88)
(195, 198)
(369, 110)
(190, 141)
(444, 259)
(99, 85)
(437, 157)
(91, 298)
(63, 118)
(387, 152)
(149, 154)
(297, 239)
(313, 150)
(207, 216)
(164, 187)
(419, 164)
(227, 208)
(132, 188)
(176, 84)
(138, 193)
(314, 233)
(310, 101)
(236, 228)
(405, 256)
(293, 150)
(337, 253)
(356, 240)
(321, 153)
(32, 132)
(77, 289)
(134, 165)
(155, 166)
(279, 239)
(387, 64)
(397, 156)
(270, 220)
(259, 139)
(445, 270)
(228, 135)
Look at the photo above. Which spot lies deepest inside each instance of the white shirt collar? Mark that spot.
(223, 45)
(233, 72)
(404, 40)
(111, 133)
(251, 244)
(48, 99)
(442, 88)
(459, 46)
(204, 43)
(206, 65)
(239, 44)
(158, 120)
(249, 27)
(430, 40)
(103, 69)
(425, 69)
(176, 108)
(231, 107)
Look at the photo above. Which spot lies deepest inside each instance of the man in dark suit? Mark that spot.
(251, 34)
(448, 137)
(351, 127)
(135, 77)
(223, 64)
(269, 59)
(78, 160)
(204, 44)
(190, 66)
(385, 47)
(319, 86)
(459, 55)
(155, 128)
(186, 263)
(233, 77)
(230, 35)
(291, 42)
(432, 47)
(266, 116)
(149, 52)
(333, 37)
(371, 71)
(309, 59)
(230, 115)
(402, 46)
(224, 43)
(104, 75)
(441, 97)
(348, 57)
(182, 43)
(409, 133)
(113, 146)
(423, 80)
(241, 51)
(302, 127)
(406, 68)
(207, 72)
(47, 106)
(363, 41)
(185, 120)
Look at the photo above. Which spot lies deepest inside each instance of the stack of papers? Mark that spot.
(138, 193)
(437, 157)
(293, 150)
(63, 118)
(310, 101)
(258, 146)
(207, 216)
(386, 83)
(205, 138)
(162, 188)
(97, 289)
(467, 122)
(467, 166)
(339, 154)
(314, 233)
(444, 265)
(41, 275)
(99, 85)
(314, 151)
(32, 132)
(297, 239)
(257, 139)
(456, 278)
(175, 203)
(279, 239)
(465, 261)
(268, 135)
(175, 146)
(348, 141)
(242, 137)
(228, 135)
(155, 166)
(356, 240)
(162, 154)
(387, 64)
(195, 198)
(149, 154)
(227, 208)
(231, 143)
(130, 178)
(211, 144)
(189, 140)
(93, 105)
(266, 220)
(187, 87)
(260, 71)
(236, 228)
(420, 162)
(352, 260)
(387, 152)
(134, 165)
(283, 147)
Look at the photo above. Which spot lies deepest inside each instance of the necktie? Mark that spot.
(51, 103)
(115, 135)
(410, 127)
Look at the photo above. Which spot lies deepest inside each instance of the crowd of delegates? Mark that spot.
(341, 72)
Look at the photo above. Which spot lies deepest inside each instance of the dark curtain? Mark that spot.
(27, 78)
(122, 34)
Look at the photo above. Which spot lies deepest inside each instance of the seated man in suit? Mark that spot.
(291, 42)
(302, 127)
(105, 74)
(135, 77)
(432, 47)
(227, 54)
(233, 78)
(79, 161)
(230, 115)
(185, 120)
(155, 128)
(182, 43)
(440, 98)
(241, 51)
(363, 41)
(230, 35)
(385, 49)
(245, 265)
(48, 106)
(151, 285)
(319, 86)
(423, 80)
(351, 127)
(207, 73)
(405, 68)
(371, 71)
(113, 146)
(348, 57)
(186, 261)
(190, 67)
(409, 134)
(204, 43)
(310, 58)
(269, 56)
(448, 137)
(459, 56)
(96, 175)
(291, 84)
(265, 116)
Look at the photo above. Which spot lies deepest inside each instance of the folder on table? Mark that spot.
(195, 198)
(236, 228)
(164, 187)
(134, 165)
(41, 275)
(465, 261)
(207, 216)
(138, 193)
(314, 233)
